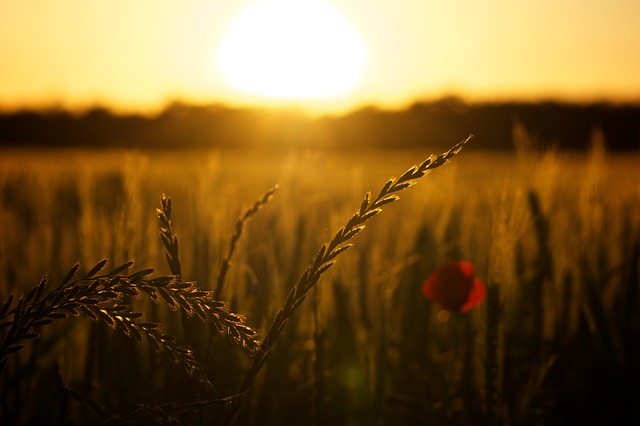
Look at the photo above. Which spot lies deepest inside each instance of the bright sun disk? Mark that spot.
(291, 49)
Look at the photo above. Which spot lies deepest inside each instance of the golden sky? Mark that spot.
(139, 54)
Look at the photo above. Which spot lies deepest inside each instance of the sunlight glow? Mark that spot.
(291, 49)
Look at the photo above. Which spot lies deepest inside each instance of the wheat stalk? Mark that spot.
(101, 298)
(326, 256)
(169, 239)
(164, 413)
(158, 414)
(215, 312)
(236, 237)
(493, 396)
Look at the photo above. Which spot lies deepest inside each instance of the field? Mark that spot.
(555, 236)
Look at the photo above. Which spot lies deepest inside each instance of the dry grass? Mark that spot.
(556, 236)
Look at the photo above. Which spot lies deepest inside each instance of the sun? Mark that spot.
(291, 49)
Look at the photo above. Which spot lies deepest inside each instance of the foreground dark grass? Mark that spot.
(554, 342)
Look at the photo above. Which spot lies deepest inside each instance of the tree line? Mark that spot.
(434, 125)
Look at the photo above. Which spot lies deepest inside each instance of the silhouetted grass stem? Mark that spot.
(325, 258)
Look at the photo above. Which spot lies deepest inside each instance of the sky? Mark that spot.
(139, 55)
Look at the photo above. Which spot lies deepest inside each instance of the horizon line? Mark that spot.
(79, 108)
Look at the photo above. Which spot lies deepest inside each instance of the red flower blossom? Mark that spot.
(454, 287)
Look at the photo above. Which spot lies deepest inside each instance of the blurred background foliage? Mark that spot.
(427, 124)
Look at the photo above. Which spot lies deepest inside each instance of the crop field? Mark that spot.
(553, 236)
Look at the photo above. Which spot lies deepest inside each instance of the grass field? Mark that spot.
(555, 236)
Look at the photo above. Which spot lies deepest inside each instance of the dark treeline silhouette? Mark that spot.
(424, 124)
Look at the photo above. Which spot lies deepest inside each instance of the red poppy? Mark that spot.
(454, 287)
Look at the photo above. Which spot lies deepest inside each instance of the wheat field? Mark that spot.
(555, 235)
